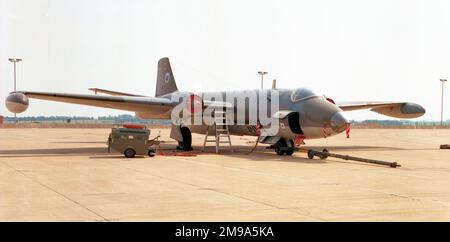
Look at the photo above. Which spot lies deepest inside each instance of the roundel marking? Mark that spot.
(167, 77)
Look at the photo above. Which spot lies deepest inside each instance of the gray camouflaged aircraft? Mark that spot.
(300, 113)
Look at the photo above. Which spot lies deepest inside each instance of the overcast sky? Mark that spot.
(357, 50)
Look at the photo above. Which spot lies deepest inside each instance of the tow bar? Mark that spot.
(325, 154)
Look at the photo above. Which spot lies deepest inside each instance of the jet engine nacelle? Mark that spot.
(17, 102)
(405, 110)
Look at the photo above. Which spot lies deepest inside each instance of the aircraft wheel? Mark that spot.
(186, 144)
(290, 152)
(279, 147)
(129, 153)
(109, 143)
(279, 151)
(310, 154)
(291, 149)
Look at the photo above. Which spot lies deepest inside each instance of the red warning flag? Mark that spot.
(324, 130)
(299, 140)
(347, 130)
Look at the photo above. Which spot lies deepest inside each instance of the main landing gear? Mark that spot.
(284, 148)
(186, 144)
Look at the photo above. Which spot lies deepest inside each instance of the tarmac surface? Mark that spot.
(67, 175)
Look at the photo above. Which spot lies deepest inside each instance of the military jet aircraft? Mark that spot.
(300, 113)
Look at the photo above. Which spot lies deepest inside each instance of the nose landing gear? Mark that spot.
(284, 148)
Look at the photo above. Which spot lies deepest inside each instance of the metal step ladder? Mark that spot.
(221, 126)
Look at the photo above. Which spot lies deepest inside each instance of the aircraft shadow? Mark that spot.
(116, 156)
(240, 151)
(87, 151)
(78, 142)
(355, 148)
(260, 154)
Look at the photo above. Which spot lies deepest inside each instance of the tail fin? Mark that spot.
(165, 82)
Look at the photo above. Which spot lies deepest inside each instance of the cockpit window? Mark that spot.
(301, 94)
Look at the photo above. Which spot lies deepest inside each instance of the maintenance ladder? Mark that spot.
(221, 126)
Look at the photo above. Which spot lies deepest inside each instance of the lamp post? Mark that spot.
(262, 73)
(442, 101)
(15, 60)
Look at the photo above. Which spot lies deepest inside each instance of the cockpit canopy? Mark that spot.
(300, 94)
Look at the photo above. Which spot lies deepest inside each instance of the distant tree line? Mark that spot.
(400, 122)
(123, 118)
(126, 118)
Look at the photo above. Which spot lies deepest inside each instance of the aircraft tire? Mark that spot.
(278, 151)
(291, 149)
(289, 152)
(279, 145)
(186, 144)
(310, 154)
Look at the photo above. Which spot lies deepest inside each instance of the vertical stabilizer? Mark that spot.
(165, 82)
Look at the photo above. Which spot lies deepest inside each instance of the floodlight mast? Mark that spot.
(262, 73)
(442, 101)
(15, 60)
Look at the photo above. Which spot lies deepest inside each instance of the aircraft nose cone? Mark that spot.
(338, 122)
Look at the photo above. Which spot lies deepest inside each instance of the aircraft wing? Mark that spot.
(392, 109)
(113, 93)
(148, 105)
